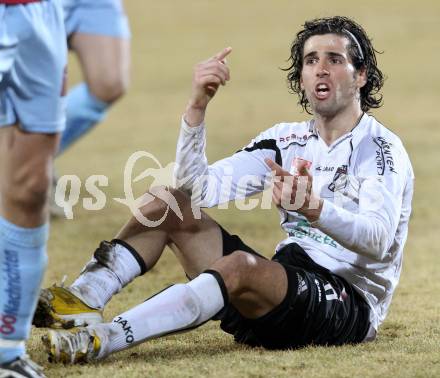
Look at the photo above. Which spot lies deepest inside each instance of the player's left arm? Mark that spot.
(383, 171)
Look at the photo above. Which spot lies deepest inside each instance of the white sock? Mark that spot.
(179, 307)
(113, 266)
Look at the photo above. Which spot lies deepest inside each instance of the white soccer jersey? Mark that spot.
(365, 179)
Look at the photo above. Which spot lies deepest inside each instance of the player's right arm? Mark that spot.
(207, 78)
(237, 176)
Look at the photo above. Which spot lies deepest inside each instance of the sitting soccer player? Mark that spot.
(330, 281)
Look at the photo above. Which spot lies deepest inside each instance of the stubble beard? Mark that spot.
(332, 106)
(326, 109)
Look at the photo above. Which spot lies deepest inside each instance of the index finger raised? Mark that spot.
(222, 54)
(279, 171)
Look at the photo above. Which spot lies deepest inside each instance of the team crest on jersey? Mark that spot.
(340, 179)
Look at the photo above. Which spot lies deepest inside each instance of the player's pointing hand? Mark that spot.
(277, 169)
(207, 78)
(294, 191)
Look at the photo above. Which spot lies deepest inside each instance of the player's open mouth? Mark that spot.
(322, 91)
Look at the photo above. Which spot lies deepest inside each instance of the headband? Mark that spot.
(355, 41)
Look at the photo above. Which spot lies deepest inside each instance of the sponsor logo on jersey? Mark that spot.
(384, 157)
(303, 229)
(294, 138)
(340, 179)
(126, 327)
(12, 292)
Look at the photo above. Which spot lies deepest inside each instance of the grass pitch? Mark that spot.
(169, 37)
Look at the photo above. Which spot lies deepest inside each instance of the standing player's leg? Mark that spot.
(25, 165)
(100, 37)
(31, 116)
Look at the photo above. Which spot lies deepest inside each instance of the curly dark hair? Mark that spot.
(360, 49)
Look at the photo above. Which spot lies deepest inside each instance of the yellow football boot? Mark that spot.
(58, 307)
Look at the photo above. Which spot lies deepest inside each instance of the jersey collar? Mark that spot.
(356, 134)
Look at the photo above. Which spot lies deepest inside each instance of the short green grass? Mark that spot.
(169, 37)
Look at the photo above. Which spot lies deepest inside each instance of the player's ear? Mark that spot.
(361, 78)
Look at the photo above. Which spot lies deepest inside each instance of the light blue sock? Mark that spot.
(83, 112)
(23, 260)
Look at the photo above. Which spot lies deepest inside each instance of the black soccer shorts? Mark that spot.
(320, 308)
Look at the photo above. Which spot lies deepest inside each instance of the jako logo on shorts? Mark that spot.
(9, 312)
